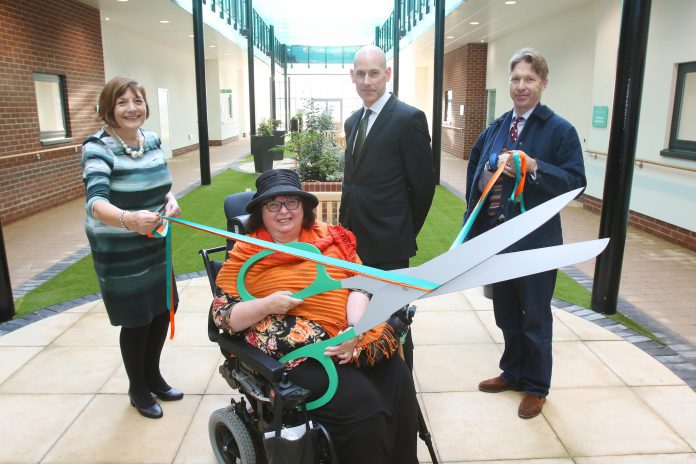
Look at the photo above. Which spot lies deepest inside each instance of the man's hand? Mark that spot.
(509, 169)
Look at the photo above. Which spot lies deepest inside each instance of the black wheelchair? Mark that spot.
(269, 402)
(251, 430)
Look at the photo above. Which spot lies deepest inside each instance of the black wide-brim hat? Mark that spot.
(279, 182)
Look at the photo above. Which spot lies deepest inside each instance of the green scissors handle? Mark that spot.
(316, 351)
(322, 283)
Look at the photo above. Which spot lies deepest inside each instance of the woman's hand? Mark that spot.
(248, 313)
(171, 207)
(280, 302)
(142, 221)
(343, 352)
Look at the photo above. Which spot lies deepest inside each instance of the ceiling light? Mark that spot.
(212, 46)
(481, 40)
(474, 23)
(450, 37)
(107, 19)
(122, 0)
(191, 36)
(510, 2)
(164, 21)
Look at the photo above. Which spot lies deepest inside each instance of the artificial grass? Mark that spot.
(441, 226)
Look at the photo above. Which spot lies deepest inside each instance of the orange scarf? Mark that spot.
(285, 272)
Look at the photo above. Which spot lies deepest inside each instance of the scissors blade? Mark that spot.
(385, 301)
(521, 263)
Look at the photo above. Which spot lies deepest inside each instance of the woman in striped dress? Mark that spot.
(128, 187)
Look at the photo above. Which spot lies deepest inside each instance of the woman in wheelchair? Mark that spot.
(372, 418)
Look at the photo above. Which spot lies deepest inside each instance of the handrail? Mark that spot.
(640, 162)
(41, 152)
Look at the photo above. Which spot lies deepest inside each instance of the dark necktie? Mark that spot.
(360, 139)
(513, 130)
(494, 209)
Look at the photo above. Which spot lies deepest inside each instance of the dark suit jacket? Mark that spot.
(386, 197)
(554, 143)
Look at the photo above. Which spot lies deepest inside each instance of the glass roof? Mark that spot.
(324, 22)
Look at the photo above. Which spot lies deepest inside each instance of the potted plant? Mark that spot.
(261, 145)
(296, 121)
(319, 158)
(280, 139)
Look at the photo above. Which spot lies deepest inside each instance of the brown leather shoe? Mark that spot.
(497, 385)
(530, 406)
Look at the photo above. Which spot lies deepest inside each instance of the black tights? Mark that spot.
(141, 348)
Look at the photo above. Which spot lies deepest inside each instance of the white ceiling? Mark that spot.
(495, 18)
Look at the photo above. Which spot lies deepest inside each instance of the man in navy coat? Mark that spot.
(389, 177)
(554, 165)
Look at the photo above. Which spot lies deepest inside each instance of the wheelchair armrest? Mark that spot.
(268, 367)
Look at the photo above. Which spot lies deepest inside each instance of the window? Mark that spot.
(226, 108)
(490, 109)
(682, 137)
(448, 107)
(50, 103)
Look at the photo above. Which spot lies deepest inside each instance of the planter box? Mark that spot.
(260, 146)
(329, 195)
(321, 186)
(280, 140)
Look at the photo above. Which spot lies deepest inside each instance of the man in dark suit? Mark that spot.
(555, 165)
(389, 178)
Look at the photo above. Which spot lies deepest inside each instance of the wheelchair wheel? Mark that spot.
(230, 438)
(327, 454)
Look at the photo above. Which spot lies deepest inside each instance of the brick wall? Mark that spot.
(61, 37)
(669, 232)
(465, 76)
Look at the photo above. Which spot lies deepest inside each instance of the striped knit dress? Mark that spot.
(130, 267)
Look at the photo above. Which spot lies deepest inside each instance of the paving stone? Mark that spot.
(638, 339)
(682, 347)
(685, 366)
(669, 359)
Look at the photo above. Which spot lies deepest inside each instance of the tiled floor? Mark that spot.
(63, 388)
(63, 392)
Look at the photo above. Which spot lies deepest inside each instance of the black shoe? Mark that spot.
(151, 412)
(170, 395)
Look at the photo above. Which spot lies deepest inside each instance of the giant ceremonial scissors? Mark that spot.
(471, 264)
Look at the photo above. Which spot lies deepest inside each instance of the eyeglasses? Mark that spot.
(290, 204)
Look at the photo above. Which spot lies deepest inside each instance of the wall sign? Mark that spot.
(599, 116)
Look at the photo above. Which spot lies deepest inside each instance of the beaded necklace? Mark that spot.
(126, 148)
